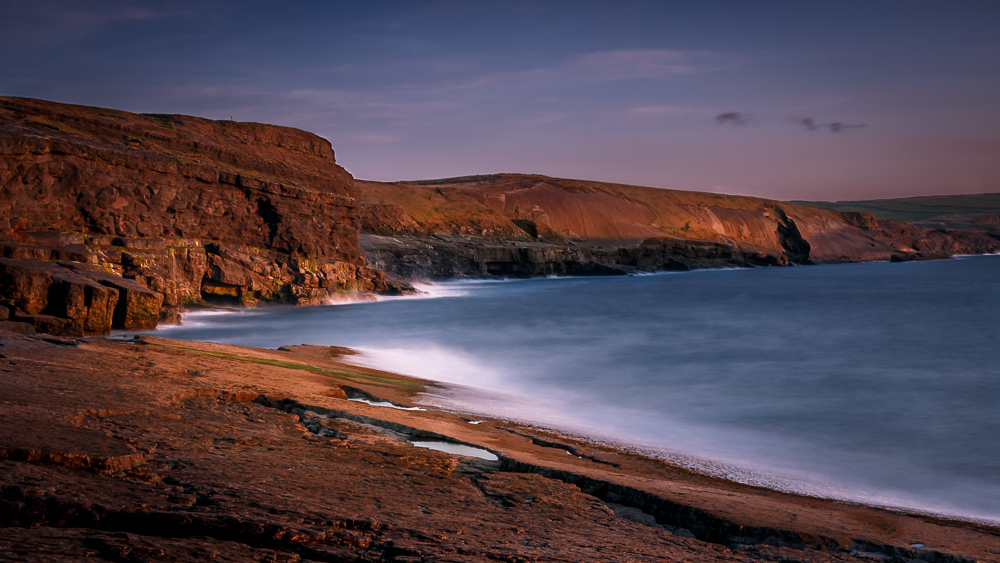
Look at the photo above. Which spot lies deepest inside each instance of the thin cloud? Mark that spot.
(541, 118)
(837, 127)
(811, 124)
(28, 22)
(316, 109)
(734, 119)
(807, 122)
(603, 66)
(369, 138)
(626, 64)
(664, 111)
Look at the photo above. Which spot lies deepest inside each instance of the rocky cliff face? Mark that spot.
(444, 256)
(524, 225)
(187, 208)
(112, 219)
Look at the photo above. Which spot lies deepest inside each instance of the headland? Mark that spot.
(110, 219)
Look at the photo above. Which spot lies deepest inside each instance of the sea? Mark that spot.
(875, 383)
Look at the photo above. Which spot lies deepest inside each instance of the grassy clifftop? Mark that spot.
(979, 212)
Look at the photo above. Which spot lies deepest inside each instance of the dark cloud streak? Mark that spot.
(734, 119)
(837, 127)
(811, 124)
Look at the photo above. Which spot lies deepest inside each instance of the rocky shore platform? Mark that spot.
(150, 449)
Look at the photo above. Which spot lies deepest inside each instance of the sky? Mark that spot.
(786, 100)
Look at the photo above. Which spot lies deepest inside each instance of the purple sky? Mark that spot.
(789, 100)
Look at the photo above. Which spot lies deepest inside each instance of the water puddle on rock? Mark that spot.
(457, 449)
(386, 404)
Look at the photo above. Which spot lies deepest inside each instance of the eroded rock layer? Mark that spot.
(188, 208)
(525, 225)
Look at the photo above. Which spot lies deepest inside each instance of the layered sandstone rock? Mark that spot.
(41, 292)
(170, 210)
(527, 225)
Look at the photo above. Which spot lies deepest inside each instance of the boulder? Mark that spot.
(138, 308)
(24, 285)
(18, 327)
(51, 325)
(170, 315)
(901, 256)
(52, 290)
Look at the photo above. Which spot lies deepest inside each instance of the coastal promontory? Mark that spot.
(110, 219)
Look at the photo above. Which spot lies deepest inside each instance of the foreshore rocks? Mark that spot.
(116, 220)
(62, 299)
(150, 449)
(135, 284)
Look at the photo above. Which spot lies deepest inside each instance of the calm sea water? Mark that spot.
(877, 383)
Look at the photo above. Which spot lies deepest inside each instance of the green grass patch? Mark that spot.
(916, 208)
(162, 119)
(400, 382)
(52, 124)
(453, 180)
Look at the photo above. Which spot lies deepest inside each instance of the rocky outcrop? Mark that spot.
(165, 211)
(856, 237)
(70, 168)
(56, 299)
(72, 299)
(151, 280)
(148, 449)
(927, 240)
(444, 256)
(515, 225)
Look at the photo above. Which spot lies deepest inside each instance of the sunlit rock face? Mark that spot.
(529, 225)
(187, 208)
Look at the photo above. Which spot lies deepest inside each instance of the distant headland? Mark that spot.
(110, 219)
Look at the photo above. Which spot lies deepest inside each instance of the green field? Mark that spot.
(916, 209)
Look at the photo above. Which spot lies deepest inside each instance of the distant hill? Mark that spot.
(527, 224)
(973, 212)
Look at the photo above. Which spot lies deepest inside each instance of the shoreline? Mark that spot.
(735, 470)
(726, 471)
(140, 414)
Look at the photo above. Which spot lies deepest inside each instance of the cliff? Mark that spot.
(187, 209)
(114, 219)
(525, 225)
(967, 212)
